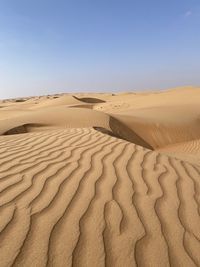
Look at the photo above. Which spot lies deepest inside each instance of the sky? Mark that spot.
(52, 46)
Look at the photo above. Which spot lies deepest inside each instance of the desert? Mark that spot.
(101, 179)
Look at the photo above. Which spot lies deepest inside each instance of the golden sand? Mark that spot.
(101, 180)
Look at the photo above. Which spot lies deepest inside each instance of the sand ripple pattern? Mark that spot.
(78, 197)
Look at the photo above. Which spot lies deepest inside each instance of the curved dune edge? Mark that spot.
(121, 130)
(76, 196)
(161, 127)
(158, 118)
(56, 117)
(62, 117)
(24, 128)
(89, 100)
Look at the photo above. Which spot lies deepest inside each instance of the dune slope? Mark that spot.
(80, 187)
(83, 198)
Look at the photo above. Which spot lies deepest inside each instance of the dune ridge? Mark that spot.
(82, 192)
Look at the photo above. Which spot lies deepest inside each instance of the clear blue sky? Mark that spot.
(49, 46)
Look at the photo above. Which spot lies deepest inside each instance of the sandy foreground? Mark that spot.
(101, 180)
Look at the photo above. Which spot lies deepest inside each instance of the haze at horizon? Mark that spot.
(59, 46)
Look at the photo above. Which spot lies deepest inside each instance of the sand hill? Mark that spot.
(97, 180)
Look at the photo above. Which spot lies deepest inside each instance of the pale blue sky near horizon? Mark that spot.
(52, 46)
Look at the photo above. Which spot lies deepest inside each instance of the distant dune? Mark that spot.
(97, 180)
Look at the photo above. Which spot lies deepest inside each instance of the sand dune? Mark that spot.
(83, 187)
(189, 151)
(160, 127)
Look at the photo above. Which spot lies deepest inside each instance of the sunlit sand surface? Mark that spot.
(97, 180)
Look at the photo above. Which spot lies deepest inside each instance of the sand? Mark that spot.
(101, 179)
